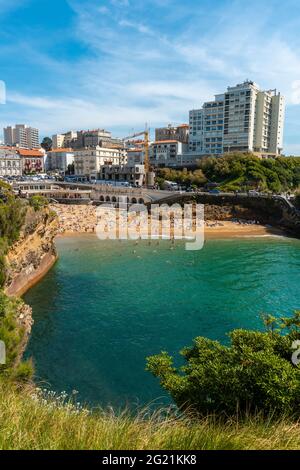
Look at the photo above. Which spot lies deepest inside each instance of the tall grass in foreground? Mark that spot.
(30, 423)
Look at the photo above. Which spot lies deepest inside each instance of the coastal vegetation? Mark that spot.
(29, 421)
(241, 396)
(12, 217)
(255, 373)
(239, 172)
(38, 202)
(13, 336)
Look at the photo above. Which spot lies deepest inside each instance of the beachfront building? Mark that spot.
(179, 133)
(243, 119)
(59, 159)
(89, 161)
(21, 136)
(131, 173)
(167, 153)
(32, 160)
(10, 162)
(207, 127)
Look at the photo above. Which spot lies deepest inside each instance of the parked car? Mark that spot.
(252, 192)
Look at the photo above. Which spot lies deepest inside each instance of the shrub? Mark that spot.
(254, 372)
(38, 202)
(12, 215)
(23, 372)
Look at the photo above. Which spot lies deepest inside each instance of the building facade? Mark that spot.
(179, 133)
(93, 138)
(135, 156)
(64, 140)
(10, 163)
(88, 162)
(244, 119)
(167, 153)
(133, 174)
(21, 136)
(32, 161)
(59, 160)
(58, 141)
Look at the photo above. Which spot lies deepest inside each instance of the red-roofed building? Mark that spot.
(32, 160)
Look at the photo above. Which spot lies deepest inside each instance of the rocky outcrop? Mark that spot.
(267, 210)
(33, 254)
(25, 321)
(228, 212)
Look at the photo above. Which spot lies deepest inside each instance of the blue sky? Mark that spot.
(80, 64)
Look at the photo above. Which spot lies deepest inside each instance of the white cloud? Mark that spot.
(295, 96)
(142, 69)
(103, 10)
(8, 6)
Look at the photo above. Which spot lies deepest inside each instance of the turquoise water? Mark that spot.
(105, 306)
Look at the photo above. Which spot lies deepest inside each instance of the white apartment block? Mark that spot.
(206, 128)
(10, 163)
(167, 153)
(58, 141)
(59, 159)
(88, 162)
(243, 119)
(21, 136)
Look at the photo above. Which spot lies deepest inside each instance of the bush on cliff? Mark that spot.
(13, 335)
(12, 215)
(254, 373)
(297, 200)
(38, 202)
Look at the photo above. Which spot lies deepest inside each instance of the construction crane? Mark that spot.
(146, 135)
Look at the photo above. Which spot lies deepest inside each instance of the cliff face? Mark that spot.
(34, 254)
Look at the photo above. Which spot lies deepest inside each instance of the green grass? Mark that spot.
(28, 421)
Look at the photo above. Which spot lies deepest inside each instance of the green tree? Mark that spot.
(254, 373)
(70, 169)
(38, 202)
(47, 144)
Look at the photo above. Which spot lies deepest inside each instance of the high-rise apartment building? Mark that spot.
(21, 136)
(243, 119)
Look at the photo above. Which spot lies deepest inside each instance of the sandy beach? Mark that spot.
(78, 220)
